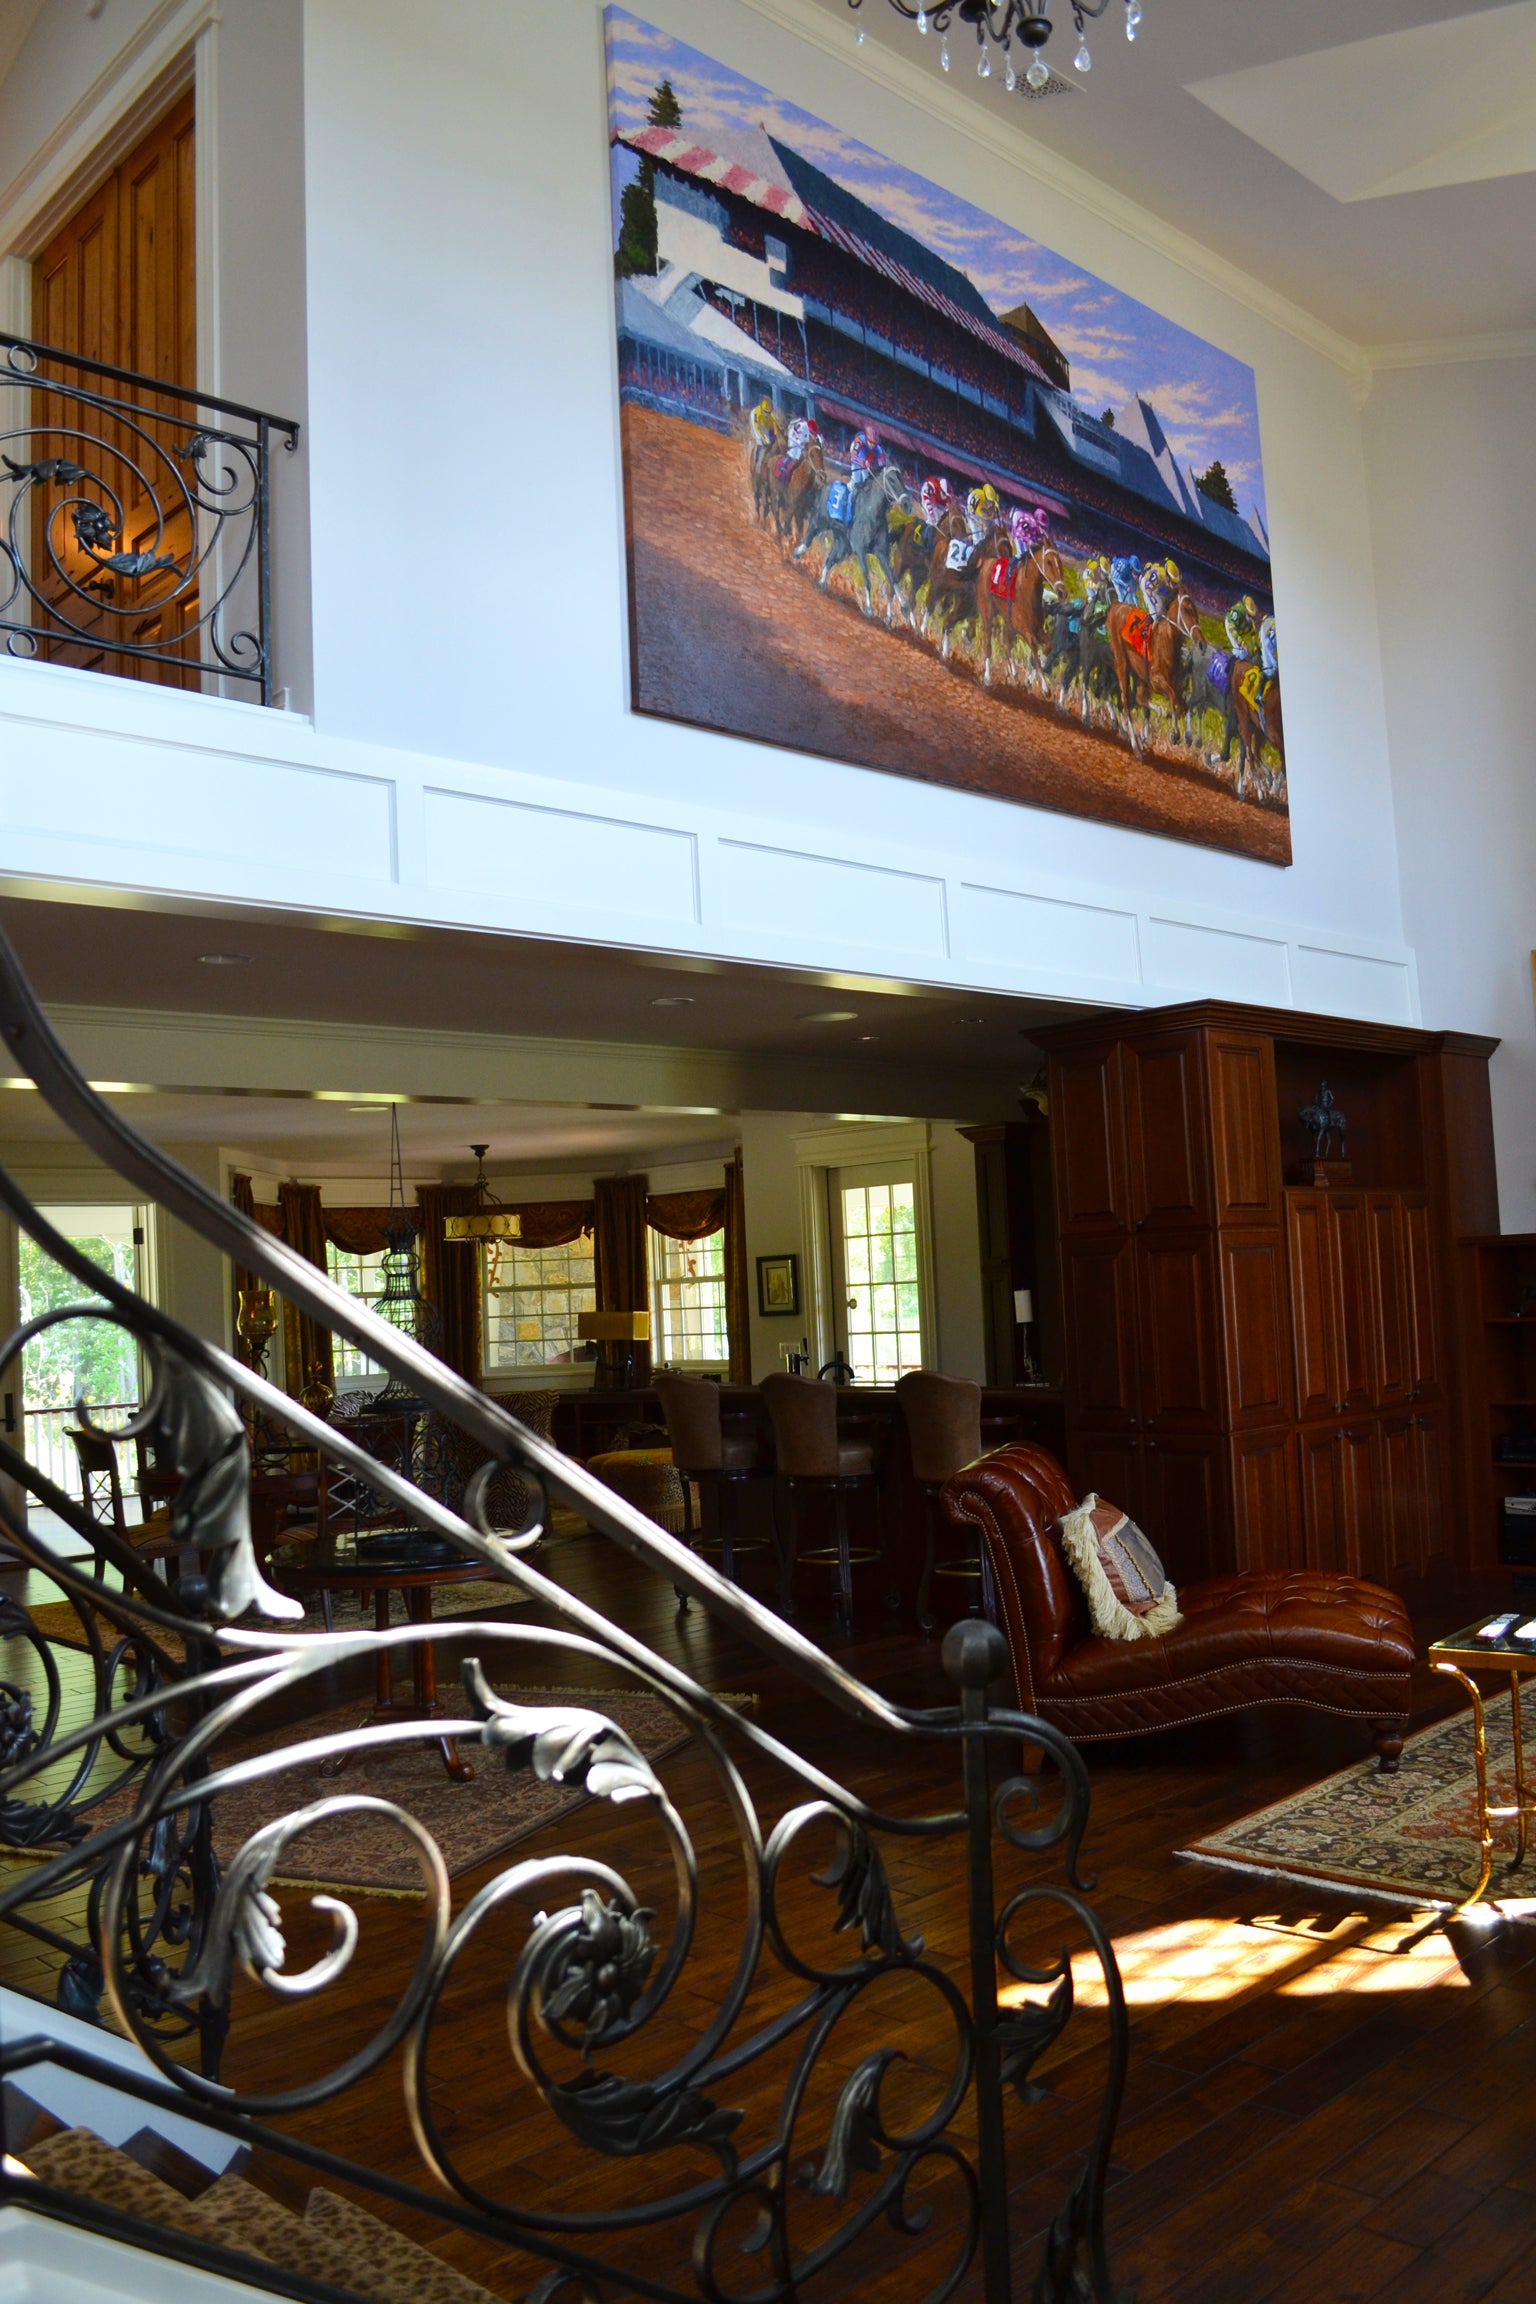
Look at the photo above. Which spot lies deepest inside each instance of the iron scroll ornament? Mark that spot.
(778, 2138)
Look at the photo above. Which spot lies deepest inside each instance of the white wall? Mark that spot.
(1453, 507)
(472, 757)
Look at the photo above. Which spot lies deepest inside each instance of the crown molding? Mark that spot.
(1451, 351)
(906, 78)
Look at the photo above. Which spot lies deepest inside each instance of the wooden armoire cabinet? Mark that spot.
(1264, 1369)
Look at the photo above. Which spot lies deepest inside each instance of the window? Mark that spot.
(874, 1242)
(362, 1277)
(688, 1324)
(95, 1358)
(532, 1298)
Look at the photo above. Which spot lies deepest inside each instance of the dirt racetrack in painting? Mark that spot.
(728, 634)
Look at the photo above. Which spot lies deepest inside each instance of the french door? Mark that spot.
(878, 1316)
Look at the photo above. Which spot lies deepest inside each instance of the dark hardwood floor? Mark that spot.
(1327, 2103)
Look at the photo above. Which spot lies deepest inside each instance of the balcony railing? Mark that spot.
(135, 523)
(716, 2062)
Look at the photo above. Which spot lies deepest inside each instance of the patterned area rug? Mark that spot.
(1411, 1838)
(59, 1620)
(471, 1823)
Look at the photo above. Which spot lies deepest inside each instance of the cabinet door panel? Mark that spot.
(1245, 1128)
(1324, 1502)
(1399, 1500)
(1365, 1531)
(1258, 1357)
(1314, 1315)
(1165, 1126)
(1176, 1297)
(1351, 1280)
(1423, 1333)
(1186, 1507)
(1100, 1286)
(1435, 1536)
(1268, 1528)
(1087, 1139)
(1390, 1302)
(1110, 1464)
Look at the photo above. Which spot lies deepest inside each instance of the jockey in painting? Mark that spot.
(767, 430)
(1242, 629)
(865, 457)
(1160, 580)
(1124, 575)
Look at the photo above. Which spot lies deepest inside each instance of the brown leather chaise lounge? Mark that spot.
(1297, 1637)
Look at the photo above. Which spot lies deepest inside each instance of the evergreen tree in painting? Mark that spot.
(1214, 483)
(636, 251)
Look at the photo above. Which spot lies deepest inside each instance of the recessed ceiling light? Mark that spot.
(869, 1035)
(829, 1016)
(970, 1019)
(673, 1000)
(225, 959)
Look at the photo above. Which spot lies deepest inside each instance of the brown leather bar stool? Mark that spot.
(811, 1456)
(942, 1415)
(720, 1462)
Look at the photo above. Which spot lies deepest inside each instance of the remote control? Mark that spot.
(1496, 1629)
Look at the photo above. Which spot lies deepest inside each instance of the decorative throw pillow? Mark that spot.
(1129, 1597)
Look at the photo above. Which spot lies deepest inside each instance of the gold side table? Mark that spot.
(1460, 1655)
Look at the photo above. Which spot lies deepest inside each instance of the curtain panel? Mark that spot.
(738, 1310)
(305, 1341)
(552, 1223)
(622, 1270)
(450, 1274)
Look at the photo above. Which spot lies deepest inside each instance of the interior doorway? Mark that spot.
(117, 282)
(878, 1315)
(93, 1359)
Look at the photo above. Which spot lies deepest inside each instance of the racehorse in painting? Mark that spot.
(796, 487)
(1011, 590)
(1256, 704)
(857, 526)
(1148, 653)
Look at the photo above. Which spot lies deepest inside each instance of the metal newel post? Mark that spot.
(975, 1652)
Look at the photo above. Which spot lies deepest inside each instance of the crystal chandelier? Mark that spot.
(1009, 32)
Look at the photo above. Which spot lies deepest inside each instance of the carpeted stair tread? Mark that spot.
(235, 2215)
(385, 2264)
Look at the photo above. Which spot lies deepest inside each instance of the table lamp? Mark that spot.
(630, 1328)
(1024, 1314)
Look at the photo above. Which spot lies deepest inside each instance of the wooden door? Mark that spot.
(1391, 1298)
(117, 283)
(1184, 1505)
(1245, 1127)
(1365, 1538)
(1324, 1500)
(1423, 1333)
(1399, 1501)
(1099, 1285)
(1176, 1301)
(1111, 1465)
(1269, 1528)
(1314, 1307)
(1429, 1473)
(1088, 1139)
(1351, 1280)
(1258, 1370)
(1166, 1130)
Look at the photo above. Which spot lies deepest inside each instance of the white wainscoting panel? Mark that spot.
(784, 893)
(1182, 957)
(1033, 935)
(502, 847)
(1335, 983)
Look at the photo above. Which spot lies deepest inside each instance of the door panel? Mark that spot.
(1390, 1301)
(1100, 1287)
(1268, 1526)
(1087, 1139)
(1186, 1513)
(1351, 1279)
(1399, 1502)
(1244, 1128)
(1423, 1335)
(1176, 1295)
(1110, 1465)
(1365, 1533)
(1314, 1318)
(1324, 1500)
(1435, 1536)
(1258, 1360)
(1165, 1128)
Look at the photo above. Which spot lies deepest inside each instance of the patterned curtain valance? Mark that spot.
(686, 1215)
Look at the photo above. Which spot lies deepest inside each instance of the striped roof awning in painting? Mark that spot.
(678, 151)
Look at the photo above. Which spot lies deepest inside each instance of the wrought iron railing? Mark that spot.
(135, 523)
(838, 2103)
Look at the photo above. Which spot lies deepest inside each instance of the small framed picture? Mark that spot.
(778, 1285)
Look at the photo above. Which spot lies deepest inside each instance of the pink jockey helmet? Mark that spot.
(1028, 528)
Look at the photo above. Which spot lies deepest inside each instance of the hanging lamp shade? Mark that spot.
(488, 1220)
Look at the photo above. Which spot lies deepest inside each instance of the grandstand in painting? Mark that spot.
(798, 289)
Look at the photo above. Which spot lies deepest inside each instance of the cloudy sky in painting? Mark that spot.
(1116, 345)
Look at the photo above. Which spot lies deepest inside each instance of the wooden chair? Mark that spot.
(813, 1461)
(942, 1415)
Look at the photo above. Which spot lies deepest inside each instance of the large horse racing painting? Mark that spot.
(906, 489)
